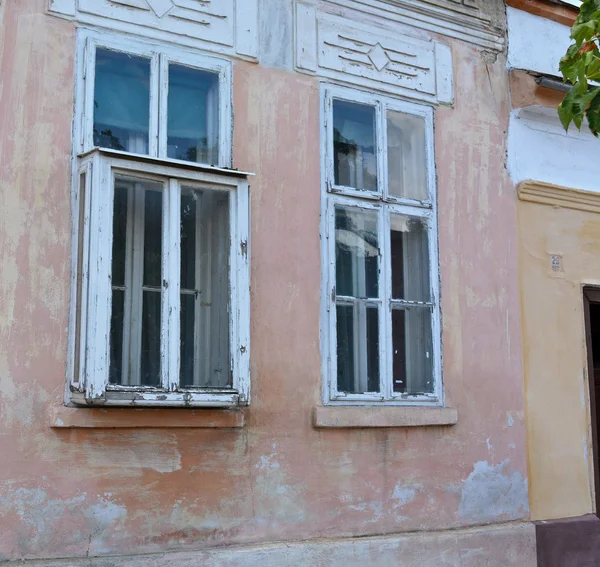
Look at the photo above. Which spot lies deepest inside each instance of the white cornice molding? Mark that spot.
(480, 22)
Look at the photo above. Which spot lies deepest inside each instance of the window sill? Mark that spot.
(125, 418)
(399, 416)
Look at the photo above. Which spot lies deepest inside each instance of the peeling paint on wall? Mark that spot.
(276, 499)
(490, 493)
(43, 517)
(144, 450)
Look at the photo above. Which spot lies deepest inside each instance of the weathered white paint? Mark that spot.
(220, 26)
(540, 149)
(473, 21)
(306, 37)
(63, 7)
(95, 373)
(89, 41)
(535, 43)
(443, 73)
(383, 204)
(276, 33)
(510, 544)
(359, 53)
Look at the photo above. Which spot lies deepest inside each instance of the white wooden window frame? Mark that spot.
(88, 361)
(160, 56)
(100, 167)
(385, 205)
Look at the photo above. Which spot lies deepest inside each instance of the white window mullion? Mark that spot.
(382, 160)
(201, 331)
(171, 289)
(163, 98)
(381, 146)
(386, 343)
(128, 294)
(155, 98)
(137, 282)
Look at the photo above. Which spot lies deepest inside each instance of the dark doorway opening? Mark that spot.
(591, 301)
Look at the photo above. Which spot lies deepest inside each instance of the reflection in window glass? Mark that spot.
(407, 168)
(357, 347)
(204, 348)
(136, 283)
(193, 115)
(410, 258)
(357, 284)
(356, 252)
(354, 147)
(412, 350)
(121, 101)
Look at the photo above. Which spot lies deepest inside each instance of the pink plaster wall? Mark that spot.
(78, 492)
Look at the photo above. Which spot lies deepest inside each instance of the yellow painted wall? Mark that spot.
(555, 365)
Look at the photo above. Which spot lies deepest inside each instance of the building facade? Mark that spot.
(262, 284)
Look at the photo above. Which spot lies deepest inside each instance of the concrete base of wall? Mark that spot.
(492, 546)
(572, 542)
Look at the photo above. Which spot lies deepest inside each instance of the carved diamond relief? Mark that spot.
(160, 7)
(372, 57)
(378, 57)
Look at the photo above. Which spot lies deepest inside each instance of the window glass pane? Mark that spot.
(357, 347)
(193, 115)
(119, 236)
(136, 283)
(152, 238)
(356, 252)
(205, 359)
(412, 350)
(121, 101)
(354, 147)
(410, 258)
(150, 351)
(407, 167)
(116, 336)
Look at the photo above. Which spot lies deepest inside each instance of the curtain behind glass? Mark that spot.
(193, 115)
(121, 101)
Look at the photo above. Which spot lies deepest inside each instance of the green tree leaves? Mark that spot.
(579, 66)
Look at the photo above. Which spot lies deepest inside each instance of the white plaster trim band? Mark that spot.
(503, 544)
(540, 149)
(460, 19)
(535, 43)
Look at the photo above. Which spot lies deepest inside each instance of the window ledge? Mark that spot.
(121, 418)
(399, 416)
